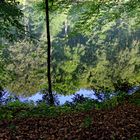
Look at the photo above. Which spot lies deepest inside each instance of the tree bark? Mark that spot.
(49, 54)
(1, 94)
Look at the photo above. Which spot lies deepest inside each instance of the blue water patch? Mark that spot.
(86, 93)
(62, 99)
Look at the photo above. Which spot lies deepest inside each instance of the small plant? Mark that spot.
(135, 98)
(135, 138)
(79, 99)
(135, 101)
(97, 106)
(12, 127)
(16, 104)
(42, 105)
(64, 109)
(23, 114)
(87, 122)
(6, 114)
(121, 97)
(87, 105)
(111, 103)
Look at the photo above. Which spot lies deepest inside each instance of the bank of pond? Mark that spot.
(15, 107)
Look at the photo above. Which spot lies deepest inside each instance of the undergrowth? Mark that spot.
(18, 109)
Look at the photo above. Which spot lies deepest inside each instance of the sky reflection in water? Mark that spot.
(62, 98)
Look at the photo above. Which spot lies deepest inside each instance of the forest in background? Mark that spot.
(95, 45)
(59, 47)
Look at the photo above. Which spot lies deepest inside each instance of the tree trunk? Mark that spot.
(1, 94)
(49, 53)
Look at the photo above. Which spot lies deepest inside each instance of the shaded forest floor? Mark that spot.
(119, 123)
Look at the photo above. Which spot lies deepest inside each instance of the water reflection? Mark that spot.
(106, 62)
(84, 92)
(81, 95)
(62, 98)
(38, 97)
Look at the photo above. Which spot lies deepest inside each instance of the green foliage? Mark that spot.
(110, 103)
(122, 96)
(107, 60)
(94, 11)
(34, 21)
(115, 63)
(12, 127)
(87, 105)
(11, 27)
(27, 70)
(18, 104)
(22, 110)
(113, 101)
(98, 106)
(57, 23)
(4, 60)
(135, 98)
(135, 138)
(136, 101)
(87, 122)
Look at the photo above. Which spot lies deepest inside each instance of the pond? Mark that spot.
(86, 93)
(62, 99)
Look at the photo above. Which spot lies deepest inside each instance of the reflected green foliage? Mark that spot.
(116, 57)
(4, 60)
(11, 29)
(34, 21)
(104, 55)
(28, 65)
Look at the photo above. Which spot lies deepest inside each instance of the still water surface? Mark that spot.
(63, 98)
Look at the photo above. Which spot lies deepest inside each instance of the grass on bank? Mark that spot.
(18, 109)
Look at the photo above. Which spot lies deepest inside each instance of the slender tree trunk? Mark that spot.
(1, 94)
(49, 54)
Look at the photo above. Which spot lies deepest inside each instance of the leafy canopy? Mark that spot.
(11, 27)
